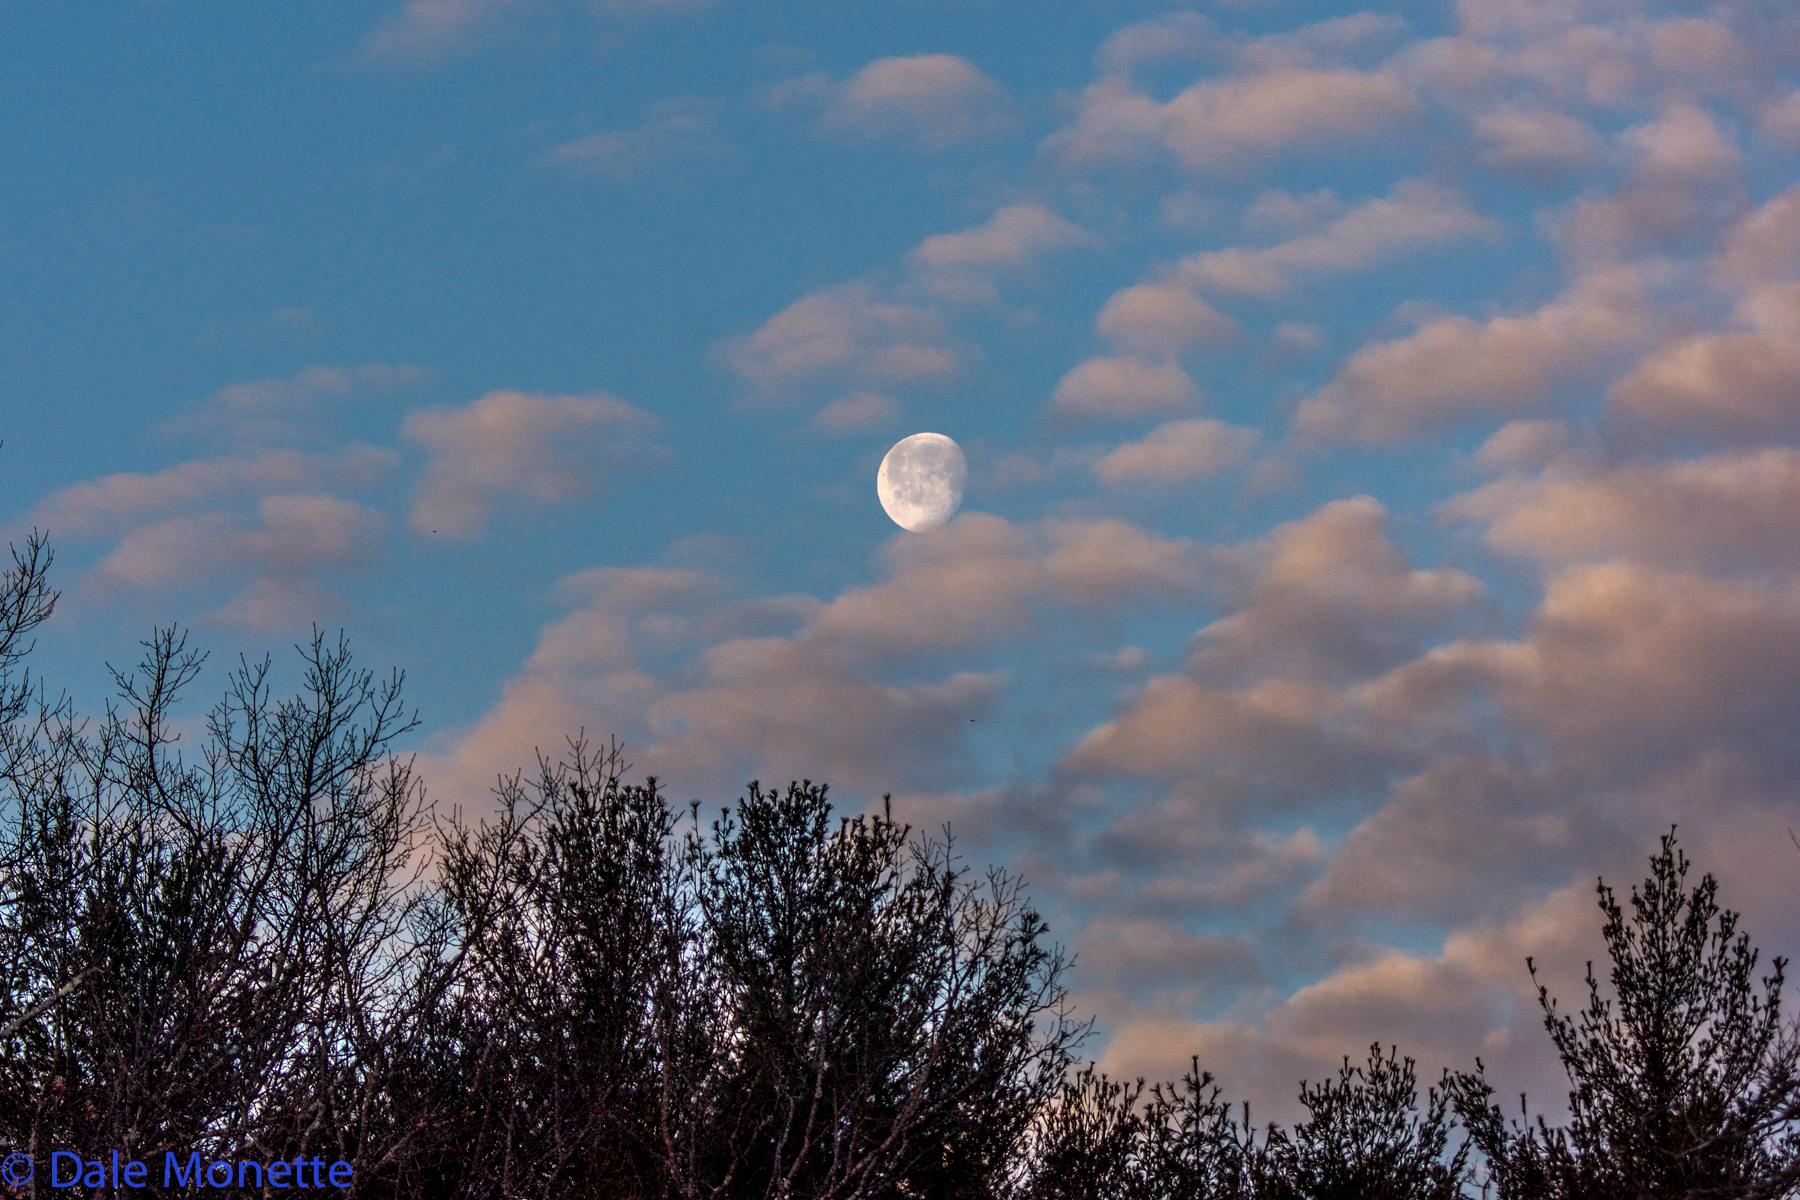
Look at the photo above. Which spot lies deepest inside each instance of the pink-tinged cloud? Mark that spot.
(1537, 143)
(1261, 710)
(1731, 385)
(856, 413)
(937, 99)
(1456, 368)
(962, 265)
(844, 335)
(1763, 245)
(1686, 182)
(841, 690)
(679, 128)
(113, 503)
(1417, 216)
(1177, 452)
(518, 446)
(1228, 125)
(268, 412)
(1156, 319)
(1124, 387)
(425, 31)
(1727, 511)
(273, 559)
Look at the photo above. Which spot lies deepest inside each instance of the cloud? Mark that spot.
(276, 410)
(273, 558)
(1729, 385)
(1149, 324)
(676, 128)
(293, 535)
(1685, 179)
(1177, 452)
(1228, 125)
(842, 335)
(506, 445)
(1726, 511)
(1763, 245)
(859, 690)
(1259, 709)
(937, 99)
(961, 265)
(1418, 214)
(113, 503)
(856, 412)
(425, 31)
(1537, 143)
(1175, 36)
(1455, 368)
(1124, 387)
(1155, 319)
(1472, 998)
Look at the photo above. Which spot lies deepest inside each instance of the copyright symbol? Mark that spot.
(16, 1168)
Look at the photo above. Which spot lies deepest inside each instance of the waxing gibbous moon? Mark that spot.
(921, 481)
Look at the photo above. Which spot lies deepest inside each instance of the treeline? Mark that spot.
(268, 947)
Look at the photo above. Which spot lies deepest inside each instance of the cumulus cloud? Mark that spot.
(1537, 143)
(847, 334)
(1763, 245)
(272, 411)
(1157, 319)
(1124, 387)
(675, 128)
(1177, 452)
(1455, 367)
(506, 445)
(1685, 179)
(1149, 324)
(856, 412)
(1419, 214)
(1728, 385)
(962, 265)
(1724, 511)
(937, 99)
(1260, 710)
(113, 503)
(1227, 125)
(843, 690)
(424, 31)
(1175, 36)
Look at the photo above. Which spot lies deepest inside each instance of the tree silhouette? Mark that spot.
(1684, 1080)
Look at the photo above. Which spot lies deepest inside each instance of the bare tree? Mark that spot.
(216, 946)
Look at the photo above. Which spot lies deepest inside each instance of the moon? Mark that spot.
(921, 481)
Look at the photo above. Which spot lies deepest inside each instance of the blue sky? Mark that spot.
(1380, 426)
